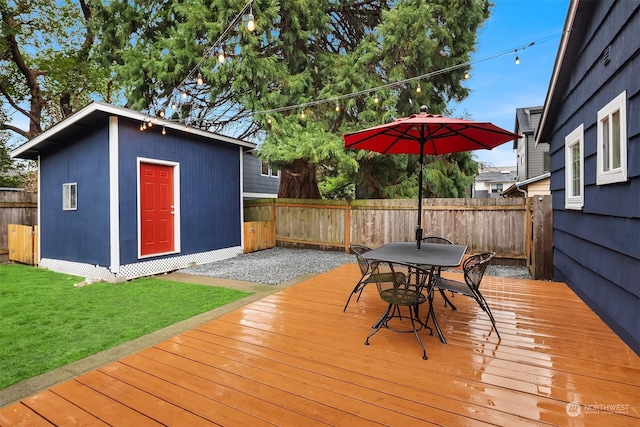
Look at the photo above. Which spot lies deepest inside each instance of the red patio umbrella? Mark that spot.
(432, 134)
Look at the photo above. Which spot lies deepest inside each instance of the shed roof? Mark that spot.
(61, 133)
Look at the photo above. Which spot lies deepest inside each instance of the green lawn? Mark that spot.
(46, 322)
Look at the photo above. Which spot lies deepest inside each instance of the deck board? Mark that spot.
(294, 358)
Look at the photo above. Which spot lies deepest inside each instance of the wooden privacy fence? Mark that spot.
(482, 224)
(16, 207)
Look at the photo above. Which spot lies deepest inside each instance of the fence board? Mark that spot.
(482, 224)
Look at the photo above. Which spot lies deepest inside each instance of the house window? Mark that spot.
(496, 188)
(70, 196)
(574, 172)
(267, 171)
(612, 141)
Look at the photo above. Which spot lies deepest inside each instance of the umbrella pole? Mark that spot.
(419, 229)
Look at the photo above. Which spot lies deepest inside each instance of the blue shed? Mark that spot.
(591, 121)
(116, 202)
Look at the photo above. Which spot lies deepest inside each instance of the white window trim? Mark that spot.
(575, 137)
(619, 103)
(66, 201)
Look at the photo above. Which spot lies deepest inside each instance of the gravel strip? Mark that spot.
(278, 265)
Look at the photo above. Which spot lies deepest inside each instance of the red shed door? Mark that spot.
(156, 209)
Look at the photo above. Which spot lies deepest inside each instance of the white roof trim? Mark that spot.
(122, 112)
(534, 179)
(562, 49)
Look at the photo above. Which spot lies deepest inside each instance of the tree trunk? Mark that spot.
(299, 181)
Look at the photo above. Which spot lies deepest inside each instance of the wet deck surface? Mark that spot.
(294, 358)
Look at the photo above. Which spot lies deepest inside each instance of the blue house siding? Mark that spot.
(82, 234)
(209, 188)
(597, 249)
(253, 180)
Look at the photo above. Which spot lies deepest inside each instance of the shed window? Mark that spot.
(574, 172)
(70, 196)
(612, 141)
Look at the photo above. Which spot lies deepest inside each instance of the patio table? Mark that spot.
(430, 254)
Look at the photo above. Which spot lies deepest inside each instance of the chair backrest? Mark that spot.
(363, 263)
(437, 239)
(403, 285)
(474, 268)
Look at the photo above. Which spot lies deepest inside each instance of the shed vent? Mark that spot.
(606, 55)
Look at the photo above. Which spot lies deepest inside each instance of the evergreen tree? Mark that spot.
(301, 52)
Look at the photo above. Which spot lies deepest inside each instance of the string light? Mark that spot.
(251, 25)
(164, 131)
(200, 81)
(517, 59)
(337, 108)
(467, 76)
(398, 83)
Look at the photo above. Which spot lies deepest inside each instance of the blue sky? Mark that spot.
(499, 86)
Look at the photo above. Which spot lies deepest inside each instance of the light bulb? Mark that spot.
(251, 25)
(184, 94)
(376, 100)
(174, 105)
(517, 60)
(269, 120)
(418, 89)
(337, 108)
(302, 114)
(150, 124)
(164, 131)
(467, 76)
(199, 80)
(141, 127)
(221, 57)
(161, 113)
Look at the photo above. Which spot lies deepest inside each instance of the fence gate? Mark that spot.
(23, 243)
(259, 235)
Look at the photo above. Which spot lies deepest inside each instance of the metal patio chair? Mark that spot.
(367, 278)
(474, 268)
(398, 292)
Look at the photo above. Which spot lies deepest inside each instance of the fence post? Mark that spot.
(347, 226)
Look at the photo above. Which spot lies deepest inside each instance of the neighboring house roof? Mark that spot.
(495, 177)
(62, 132)
(523, 123)
(522, 185)
(569, 48)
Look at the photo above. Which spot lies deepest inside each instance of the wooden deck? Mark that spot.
(295, 359)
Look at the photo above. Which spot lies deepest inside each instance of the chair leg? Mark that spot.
(355, 289)
(447, 300)
(483, 305)
(379, 324)
(414, 317)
